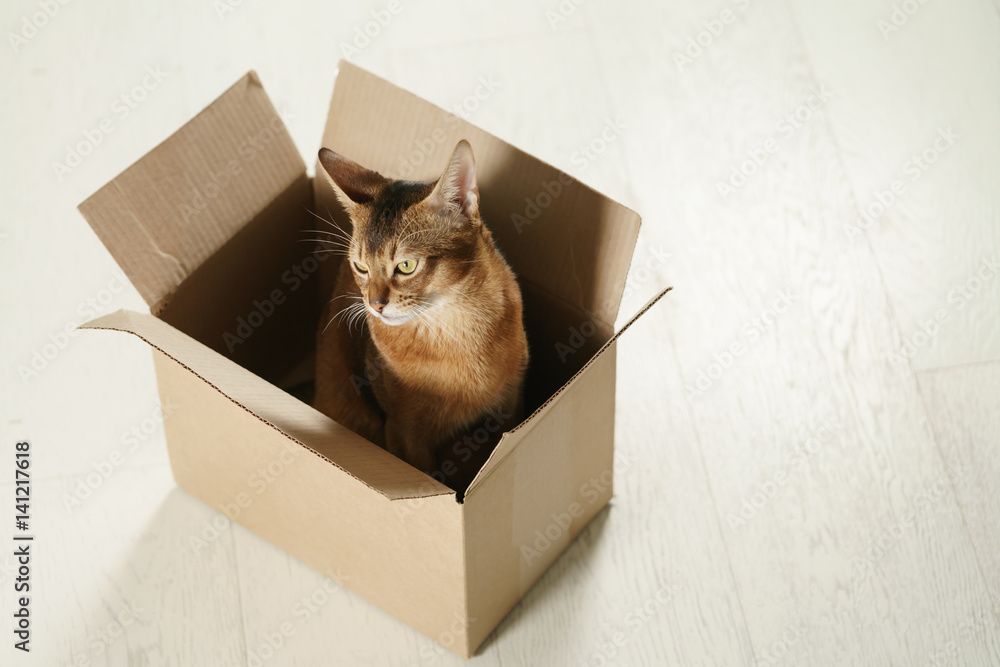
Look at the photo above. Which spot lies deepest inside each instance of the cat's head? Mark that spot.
(412, 242)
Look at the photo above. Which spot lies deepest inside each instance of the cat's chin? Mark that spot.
(393, 321)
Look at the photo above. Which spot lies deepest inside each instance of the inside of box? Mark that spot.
(259, 298)
(255, 300)
(213, 227)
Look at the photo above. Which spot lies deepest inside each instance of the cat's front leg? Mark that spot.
(403, 440)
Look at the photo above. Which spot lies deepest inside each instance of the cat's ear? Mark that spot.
(457, 189)
(355, 185)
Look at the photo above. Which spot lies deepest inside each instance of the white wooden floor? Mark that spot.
(825, 496)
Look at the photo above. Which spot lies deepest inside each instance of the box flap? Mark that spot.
(510, 439)
(168, 212)
(373, 466)
(556, 232)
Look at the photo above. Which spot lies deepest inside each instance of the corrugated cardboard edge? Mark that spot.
(502, 451)
(122, 320)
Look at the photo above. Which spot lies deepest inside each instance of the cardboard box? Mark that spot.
(208, 227)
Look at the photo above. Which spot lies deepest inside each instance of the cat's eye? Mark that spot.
(361, 268)
(407, 267)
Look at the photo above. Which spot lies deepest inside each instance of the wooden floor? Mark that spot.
(809, 425)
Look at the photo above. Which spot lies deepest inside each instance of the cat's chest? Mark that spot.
(437, 367)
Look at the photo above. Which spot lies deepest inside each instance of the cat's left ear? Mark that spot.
(353, 184)
(457, 189)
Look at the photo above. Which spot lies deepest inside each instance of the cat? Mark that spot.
(442, 346)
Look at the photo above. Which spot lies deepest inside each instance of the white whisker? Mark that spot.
(419, 231)
(333, 224)
(442, 327)
(346, 296)
(337, 235)
(329, 252)
(328, 221)
(360, 317)
(336, 242)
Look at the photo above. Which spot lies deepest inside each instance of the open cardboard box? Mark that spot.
(208, 227)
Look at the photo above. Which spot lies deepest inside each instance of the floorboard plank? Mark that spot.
(916, 107)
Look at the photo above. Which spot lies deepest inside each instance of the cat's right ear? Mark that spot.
(355, 185)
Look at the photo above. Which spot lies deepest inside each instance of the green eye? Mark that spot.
(361, 268)
(409, 266)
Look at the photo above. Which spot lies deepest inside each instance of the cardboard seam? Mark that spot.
(494, 465)
(469, 649)
(248, 410)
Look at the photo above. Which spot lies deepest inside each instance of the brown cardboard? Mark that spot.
(166, 214)
(450, 567)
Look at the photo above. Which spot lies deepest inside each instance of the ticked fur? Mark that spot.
(441, 349)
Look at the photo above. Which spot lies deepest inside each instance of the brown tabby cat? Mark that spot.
(444, 347)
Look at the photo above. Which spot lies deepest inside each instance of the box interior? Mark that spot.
(241, 276)
(216, 304)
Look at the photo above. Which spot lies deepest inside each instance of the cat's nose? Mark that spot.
(377, 305)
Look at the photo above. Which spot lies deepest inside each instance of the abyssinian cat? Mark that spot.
(441, 348)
